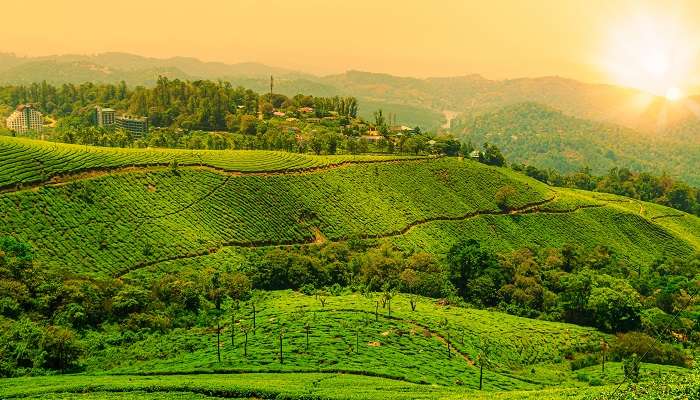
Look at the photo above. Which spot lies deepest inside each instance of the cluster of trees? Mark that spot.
(325, 137)
(490, 155)
(190, 105)
(352, 264)
(660, 189)
(586, 287)
(43, 313)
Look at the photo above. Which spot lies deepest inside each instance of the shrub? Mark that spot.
(584, 361)
(631, 343)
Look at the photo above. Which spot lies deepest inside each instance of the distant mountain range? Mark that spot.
(548, 122)
(413, 101)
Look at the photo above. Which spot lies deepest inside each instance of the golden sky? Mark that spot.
(496, 38)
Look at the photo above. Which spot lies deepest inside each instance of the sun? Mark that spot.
(653, 52)
(674, 94)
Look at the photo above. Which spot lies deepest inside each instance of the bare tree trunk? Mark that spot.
(245, 346)
(281, 355)
(449, 352)
(218, 338)
(603, 361)
(481, 375)
(253, 319)
(233, 330)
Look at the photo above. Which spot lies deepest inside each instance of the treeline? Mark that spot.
(324, 137)
(191, 105)
(660, 189)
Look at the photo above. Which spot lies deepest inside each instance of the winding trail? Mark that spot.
(530, 208)
(668, 216)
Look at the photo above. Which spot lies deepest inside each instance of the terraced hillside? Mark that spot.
(27, 162)
(116, 223)
(126, 224)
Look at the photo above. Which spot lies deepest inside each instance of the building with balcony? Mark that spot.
(137, 126)
(26, 118)
(105, 116)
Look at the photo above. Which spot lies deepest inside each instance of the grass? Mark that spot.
(306, 386)
(136, 223)
(408, 346)
(402, 356)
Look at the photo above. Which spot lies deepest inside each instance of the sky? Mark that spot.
(496, 38)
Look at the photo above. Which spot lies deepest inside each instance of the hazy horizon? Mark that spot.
(500, 40)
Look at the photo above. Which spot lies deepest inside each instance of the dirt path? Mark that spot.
(530, 208)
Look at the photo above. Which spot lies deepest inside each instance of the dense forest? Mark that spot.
(537, 135)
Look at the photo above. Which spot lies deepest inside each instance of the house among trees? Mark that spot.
(475, 155)
(401, 128)
(105, 116)
(137, 126)
(306, 110)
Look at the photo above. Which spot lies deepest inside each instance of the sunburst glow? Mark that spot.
(652, 52)
(674, 94)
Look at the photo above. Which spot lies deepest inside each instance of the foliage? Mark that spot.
(538, 135)
(644, 186)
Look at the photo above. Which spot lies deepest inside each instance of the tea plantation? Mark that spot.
(145, 224)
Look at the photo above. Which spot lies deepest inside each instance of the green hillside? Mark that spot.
(27, 162)
(114, 259)
(117, 222)
(537, 135)
(401, 354)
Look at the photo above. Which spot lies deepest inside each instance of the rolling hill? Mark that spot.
(538, 135)
(116, 220)
(219, 200)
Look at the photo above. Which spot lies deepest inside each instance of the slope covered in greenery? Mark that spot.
(115, 223)
(27, 161)
(544, 137)
(403, 353)
(117, 275)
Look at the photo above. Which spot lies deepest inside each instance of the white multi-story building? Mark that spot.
(105, 116)
(25, 119)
